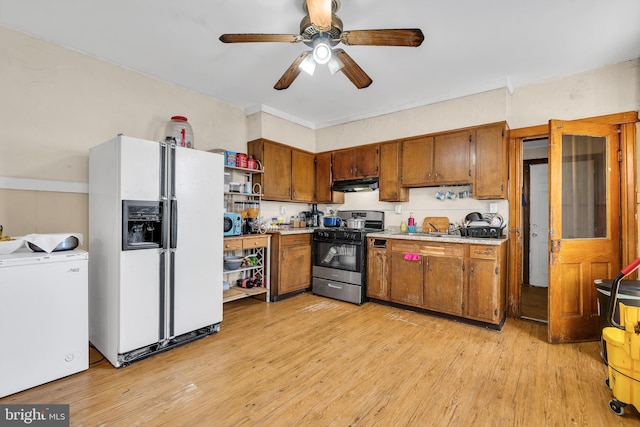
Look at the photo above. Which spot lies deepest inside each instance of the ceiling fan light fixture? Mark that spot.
(335, 65)
(308, 65)
(321, 50)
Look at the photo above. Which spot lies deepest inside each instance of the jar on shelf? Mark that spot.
(180, 129)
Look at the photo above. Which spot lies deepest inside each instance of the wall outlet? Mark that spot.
(282, 210)
(493, 208)
(398, 209)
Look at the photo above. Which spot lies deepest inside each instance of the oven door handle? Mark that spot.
(339, 242)
(331, 285)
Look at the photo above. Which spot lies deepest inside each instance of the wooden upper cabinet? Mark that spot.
(275, 158)
(452, 158)
(491, 162)
(302, 176)
(390, 160)
(324, 181)
(289, 173)
(417, 162)
(351, 163)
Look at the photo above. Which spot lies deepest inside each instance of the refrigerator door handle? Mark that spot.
(172, 293)
(163, 171)
(174, 224)
(172, 171)
(162, 302)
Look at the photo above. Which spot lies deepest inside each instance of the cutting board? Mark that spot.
(441, 222)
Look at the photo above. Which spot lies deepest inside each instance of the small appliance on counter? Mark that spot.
(232, 224)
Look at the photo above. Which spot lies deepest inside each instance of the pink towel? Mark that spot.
(412, 257)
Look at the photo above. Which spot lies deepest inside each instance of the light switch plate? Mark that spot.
(398, 209)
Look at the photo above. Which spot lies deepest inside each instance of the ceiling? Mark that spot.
(470, 47)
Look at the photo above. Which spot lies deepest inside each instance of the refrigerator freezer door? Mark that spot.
(43, 319)
(198, 270)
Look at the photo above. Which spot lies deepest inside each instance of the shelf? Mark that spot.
(238, 270)
(244, 170)
(236, 293)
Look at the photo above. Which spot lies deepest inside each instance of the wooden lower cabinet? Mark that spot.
(377, 270)
(290, 263)
(445, 280)
(406, 279)
(460, 279)
(487, 283)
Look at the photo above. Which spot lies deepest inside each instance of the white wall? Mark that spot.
(57, 103)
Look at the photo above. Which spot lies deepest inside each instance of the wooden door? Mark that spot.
(377, 270)
(444, 283)
(406, 280)
(417, 162)
(584, 227)
(324, 181)
(390, 190)
(491, 166)
(276, 162)
(342, 164)
(302, 176)
(366, 161)
(451, 158)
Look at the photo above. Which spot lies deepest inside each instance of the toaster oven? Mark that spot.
(232, 224)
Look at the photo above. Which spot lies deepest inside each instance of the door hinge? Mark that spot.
(556, 245)
(503, 133)
(619, 155)
(497, 271)
(462, 266)
(470, 138)
(469, 172)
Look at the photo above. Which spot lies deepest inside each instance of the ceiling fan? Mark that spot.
(321, 29)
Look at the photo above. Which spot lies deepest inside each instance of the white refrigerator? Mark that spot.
(156, 239)
(43, 317)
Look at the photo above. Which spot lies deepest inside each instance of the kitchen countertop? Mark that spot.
(292, 231)
(446, 239)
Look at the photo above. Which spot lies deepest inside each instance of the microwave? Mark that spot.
(232, 224)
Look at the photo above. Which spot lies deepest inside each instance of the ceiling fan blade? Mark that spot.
(352, 70)
(320, 13)
(251, 38)
(292, 72)
(400, 37)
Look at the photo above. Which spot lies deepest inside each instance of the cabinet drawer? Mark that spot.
(260, 241)
(296, 239)
(429, 248)
(483, 252)
(232, 243)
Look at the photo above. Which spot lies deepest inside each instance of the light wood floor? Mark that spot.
(535, 303)
(312, 361)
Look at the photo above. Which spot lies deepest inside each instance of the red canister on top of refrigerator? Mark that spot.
(180, 129)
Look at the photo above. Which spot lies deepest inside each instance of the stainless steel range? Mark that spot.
(339, 256)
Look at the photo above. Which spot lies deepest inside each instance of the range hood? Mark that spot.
(353, 185)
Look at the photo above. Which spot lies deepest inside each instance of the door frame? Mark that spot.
(526, 213)
(628, 185)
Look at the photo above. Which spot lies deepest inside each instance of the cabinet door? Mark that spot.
(417, 162)
(366, 161)
(276, 162)
(295, 269)
(491, 163)
(452, 159)
(390, 190)
(444, 284)
(342, 164)
(324, 181)
(484, 285)
(406, 280)
(377, 280)
(302, 176)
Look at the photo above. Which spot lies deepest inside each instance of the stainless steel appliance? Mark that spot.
(339, 256)
(155, 271)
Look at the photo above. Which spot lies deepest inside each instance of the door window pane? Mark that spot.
(584, 184)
